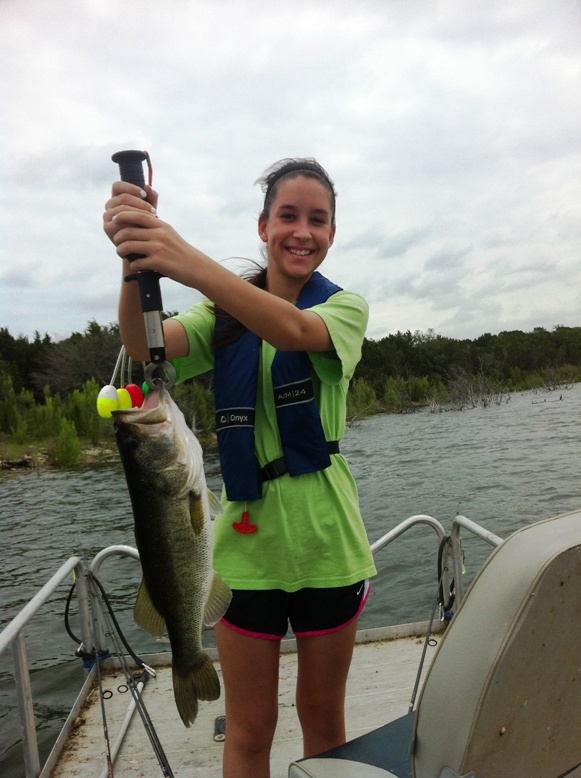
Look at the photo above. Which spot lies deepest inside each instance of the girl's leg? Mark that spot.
(250, 668)
(323, 667)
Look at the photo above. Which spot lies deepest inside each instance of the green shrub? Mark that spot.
(65, 449)
(361, 399)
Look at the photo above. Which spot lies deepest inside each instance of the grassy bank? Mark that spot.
(57, 433)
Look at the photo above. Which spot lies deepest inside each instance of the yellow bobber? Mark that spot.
(107, 401)
(124, 399)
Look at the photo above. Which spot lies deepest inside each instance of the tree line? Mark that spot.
(48, 389)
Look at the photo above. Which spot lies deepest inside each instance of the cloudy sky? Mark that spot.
(452, 130)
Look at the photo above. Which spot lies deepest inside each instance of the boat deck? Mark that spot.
(379, 689)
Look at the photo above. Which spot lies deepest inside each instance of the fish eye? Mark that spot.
(125, 437)
(131, 442)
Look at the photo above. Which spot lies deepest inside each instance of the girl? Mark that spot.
(291, 543)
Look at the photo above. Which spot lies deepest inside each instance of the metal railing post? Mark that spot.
(24, 696)
(457, 562)
(94, 568)
(403, 526)
(475, 529)
(83, 602)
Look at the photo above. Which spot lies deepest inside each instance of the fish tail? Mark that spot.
(199, 681)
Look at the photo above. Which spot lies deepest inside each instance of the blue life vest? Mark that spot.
(299, 423)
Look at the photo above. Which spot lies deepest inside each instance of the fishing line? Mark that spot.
(109, 761)
(100, 596)
(427, 642)
(139, 662)
(439, 601)
(110, 619)
(70, 633)
(131, 679)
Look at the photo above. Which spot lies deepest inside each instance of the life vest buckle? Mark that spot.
(278, 467)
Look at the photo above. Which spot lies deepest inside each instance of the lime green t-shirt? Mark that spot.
(310, 532)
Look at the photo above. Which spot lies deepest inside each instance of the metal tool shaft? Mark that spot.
(131, 170)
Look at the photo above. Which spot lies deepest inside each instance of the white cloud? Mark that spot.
(451, 130)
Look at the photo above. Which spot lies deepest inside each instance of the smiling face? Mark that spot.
(298, 232)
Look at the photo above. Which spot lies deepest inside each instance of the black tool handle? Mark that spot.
(131, 166)
(131, 170)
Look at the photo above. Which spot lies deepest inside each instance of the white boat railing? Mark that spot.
(13, 635)
(91, 621)
(407, 524)
(456, 550)
(94, 568)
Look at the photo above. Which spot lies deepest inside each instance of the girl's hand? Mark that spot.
(159, 245)
(127, 197)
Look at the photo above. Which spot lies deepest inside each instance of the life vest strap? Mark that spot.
(278, 467)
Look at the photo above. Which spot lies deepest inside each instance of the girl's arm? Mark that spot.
(137, 230)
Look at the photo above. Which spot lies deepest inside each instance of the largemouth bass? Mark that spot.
(171, 504)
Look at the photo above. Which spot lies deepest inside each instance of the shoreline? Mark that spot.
(27, 461)
(34, 458)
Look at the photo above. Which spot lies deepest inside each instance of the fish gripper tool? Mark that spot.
(159, 370)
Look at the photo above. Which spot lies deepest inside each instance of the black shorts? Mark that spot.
(266, 614)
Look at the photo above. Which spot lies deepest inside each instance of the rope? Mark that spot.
(116, 369)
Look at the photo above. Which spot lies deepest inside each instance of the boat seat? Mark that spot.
(336, 768)
(377, 754)
(502, 698)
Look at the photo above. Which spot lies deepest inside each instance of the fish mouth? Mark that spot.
(153, 410)
(152, 399)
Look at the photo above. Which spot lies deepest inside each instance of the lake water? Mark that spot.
(504, 466)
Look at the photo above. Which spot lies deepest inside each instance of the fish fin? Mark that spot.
(197, 509)
(197, 682)
(217, 601)
(214, 504)
(197, 512)
(146, 615)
